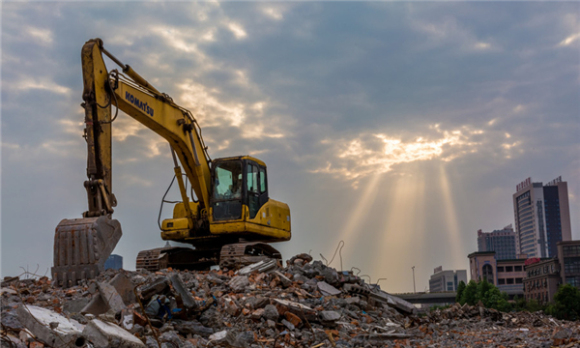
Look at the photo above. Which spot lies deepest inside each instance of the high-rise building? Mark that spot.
(446, 280)
(542, 217)
(503, 242)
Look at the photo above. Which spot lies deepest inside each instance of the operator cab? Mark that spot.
(238, 181)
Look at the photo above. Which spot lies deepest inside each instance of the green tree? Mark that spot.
(483, 287)
(520, 304)
(493, 298)
(533, 306)
(469, 295)
(460, 289)
(566, 303)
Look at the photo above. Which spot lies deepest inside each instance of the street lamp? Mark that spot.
(414, 289)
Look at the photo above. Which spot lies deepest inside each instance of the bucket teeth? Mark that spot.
(81, 247)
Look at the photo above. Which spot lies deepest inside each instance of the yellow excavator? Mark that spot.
(228, 216)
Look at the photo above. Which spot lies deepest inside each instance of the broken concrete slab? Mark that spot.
(75, 306)
(302, 311)
(124, 287)
(262, 266)
(286, 282)
(50, 327)
(270, 312)
(399, 303)
(329, 316)
(96, 306)
(10, 320)
(103, 334)
(327, 289)
(219, 337)
(380, 297)
(239, 283)
(8, 291)
(180, 288)
(192, 327)
(111, 296)
(157, 286)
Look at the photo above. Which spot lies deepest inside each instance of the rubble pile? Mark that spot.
(305, 304)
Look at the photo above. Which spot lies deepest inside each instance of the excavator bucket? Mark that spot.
(81, 247)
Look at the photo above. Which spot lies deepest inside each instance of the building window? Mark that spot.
(519, 280)
(449, 286)
(518, 268)
(509, 268)
(487, 273)
(574, 281)
(499, 269)
(572, 264)
(500, 281)
(571, 250)
(510, 280)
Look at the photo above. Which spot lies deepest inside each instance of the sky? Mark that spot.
(398, 128)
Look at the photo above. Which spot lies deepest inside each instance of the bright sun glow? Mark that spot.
(378, 153)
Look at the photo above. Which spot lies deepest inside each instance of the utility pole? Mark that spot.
(414, 289)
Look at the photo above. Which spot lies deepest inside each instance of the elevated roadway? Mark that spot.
(429, 297)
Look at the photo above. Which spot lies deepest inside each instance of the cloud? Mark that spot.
(237, 30)
(376, 153)
(273, 13)
(28, 84)
(570, 40)
(44, 35)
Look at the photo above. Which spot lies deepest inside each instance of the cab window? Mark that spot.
(228, 181)
(252, 178)
(262, 180)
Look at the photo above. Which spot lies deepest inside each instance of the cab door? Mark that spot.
(256, 187)
(253, 189)
(263, 185)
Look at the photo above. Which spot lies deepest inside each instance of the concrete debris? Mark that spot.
(50, 327)
(103, 335)
(305, 304)
(262, 266)
(218, 337)
(111, 297)
(181, 289)
(239, 283)
(270, 312)
(329, 316)
(327, 289)
(124, 288)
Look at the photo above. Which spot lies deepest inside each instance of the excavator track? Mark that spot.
(231, 256)
(148, 259)
(176, 257)
(238, 255)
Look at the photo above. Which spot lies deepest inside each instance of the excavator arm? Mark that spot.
(138, 99)
(82, 245)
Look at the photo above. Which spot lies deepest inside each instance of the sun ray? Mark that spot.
(454, 235)
(402, 229)
(363, 205)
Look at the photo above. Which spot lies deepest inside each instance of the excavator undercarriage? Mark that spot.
(231, 256)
